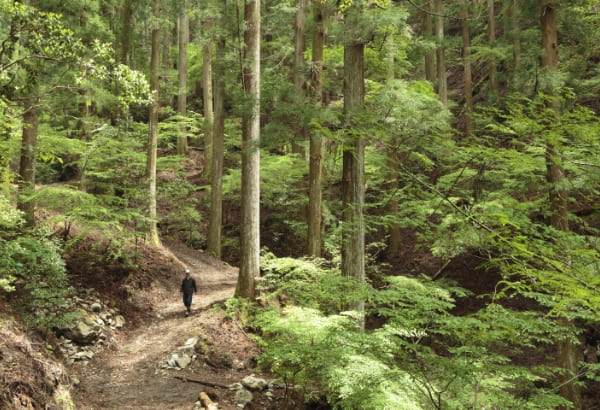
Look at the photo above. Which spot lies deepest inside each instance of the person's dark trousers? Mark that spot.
(187, 300)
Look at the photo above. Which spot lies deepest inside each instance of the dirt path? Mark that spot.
(130, 375)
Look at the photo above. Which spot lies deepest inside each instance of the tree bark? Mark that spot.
(183, 37)
(315, 171)
(207, 97)
(353, 235)
(250, 224)
(215, 224)
(429, 55)
(298, 72)
(492, 70)
(515, 33)
(153, 238)
(442, 82)
(126, 31)
(28, 160)
(567, 351)
(469, 123)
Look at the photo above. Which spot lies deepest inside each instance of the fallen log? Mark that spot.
(207, 402)
(204, 382)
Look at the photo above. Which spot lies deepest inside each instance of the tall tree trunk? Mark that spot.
(567, 351)
(430, 54)
(353, 232)
(442, 82)
(250, 224)
(153, 238)
(216, 192)
(207, 97)
(316, 141)
(515, 37)
(493, 81)
(469, 123)
(298, 72)
(395, 240)
(29, 152)
(183, 36)
(126, 31)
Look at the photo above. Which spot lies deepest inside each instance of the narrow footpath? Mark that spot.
(131, 373)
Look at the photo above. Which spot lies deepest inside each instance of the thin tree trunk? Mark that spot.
(183, 36)
(207, 97)
(153, 238)
(316, 141)
(567, 351)
(429, 55)
(250, 224)
(442, 82)
(28, 157)
(216, 193)
(353, 234)
(126, 31)
(298, 72)
(515, 35)
(492, 42)
(395, 240)
(469, 123)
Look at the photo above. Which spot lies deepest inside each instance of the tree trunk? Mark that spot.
(126, 31)
(153, 238)
(442, 83)
(216, 192)
(567, 351)
(516, 35)
(469, 123)
(298, 72)
(183, 37)
(207, 97)
(429, 55)
(28, 157)
(250, 224)
(316, 142)
(492, 42)
(395, 240)
(353, 234)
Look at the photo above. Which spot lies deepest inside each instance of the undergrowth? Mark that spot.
(421, 357)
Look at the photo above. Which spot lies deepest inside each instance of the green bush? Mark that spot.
(422, 356)
(30, 259)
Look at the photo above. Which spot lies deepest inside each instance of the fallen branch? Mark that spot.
(207, 402)
(440, 270)
(204, 382)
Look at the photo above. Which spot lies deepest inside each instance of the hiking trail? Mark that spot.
(130, 373)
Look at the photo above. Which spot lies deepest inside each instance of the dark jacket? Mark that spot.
(188, 285)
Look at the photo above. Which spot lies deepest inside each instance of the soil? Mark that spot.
(130, 374)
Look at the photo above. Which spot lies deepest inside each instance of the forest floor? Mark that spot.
(131, 373)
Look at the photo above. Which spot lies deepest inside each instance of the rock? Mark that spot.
(254, 383)
(192, 341)
(119, 321)
(96, 307)
(238, 365)
(83, 330)
(183, 361)
(243, 397)
(83, 355)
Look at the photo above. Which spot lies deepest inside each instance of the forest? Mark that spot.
(410, 189)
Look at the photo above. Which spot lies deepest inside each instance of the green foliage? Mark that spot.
(308, 283)
(422, 356)
(32, 261)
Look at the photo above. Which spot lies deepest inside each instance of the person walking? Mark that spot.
(188, 288)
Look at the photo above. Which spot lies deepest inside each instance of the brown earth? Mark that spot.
(130, 374)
